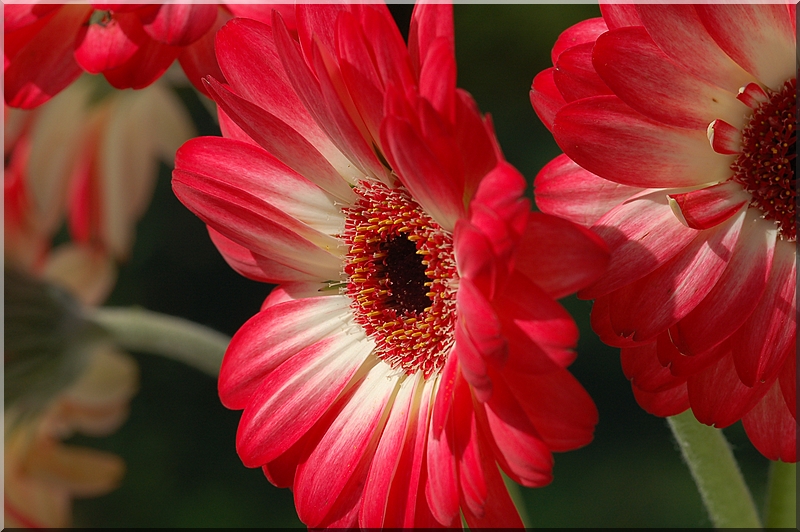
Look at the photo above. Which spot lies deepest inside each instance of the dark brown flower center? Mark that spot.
(768, 162)
(401, 278)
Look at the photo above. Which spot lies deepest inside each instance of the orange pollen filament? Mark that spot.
(766, 167)
(401, 277)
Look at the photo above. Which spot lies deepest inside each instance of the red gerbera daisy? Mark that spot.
(414, 343)
(47, 46)
(678, 125)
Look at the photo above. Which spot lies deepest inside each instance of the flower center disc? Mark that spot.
(766, 168)
(400, 277)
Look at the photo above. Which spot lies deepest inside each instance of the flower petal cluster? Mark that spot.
(678, 125)
(47, 46)
(413, 347)
(41, 474)
(92, 163)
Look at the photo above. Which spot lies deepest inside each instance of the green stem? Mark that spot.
(781, 507)
(715, 472)
(137, 329)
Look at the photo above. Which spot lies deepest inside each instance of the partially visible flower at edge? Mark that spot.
(678, 125)
(89, 160)
(48, 46)
(413, 343)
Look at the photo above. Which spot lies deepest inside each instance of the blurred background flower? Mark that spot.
(79, 172)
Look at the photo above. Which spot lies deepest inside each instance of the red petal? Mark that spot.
(106, 45)
(620, 15)
(441, 488)
(17, 16)
(788, 381)
(291, 398)
(406, 499)
(281, 141)
(566, 190)
(645, 78)
(546, 99)
(710, 206)
(45, 65)
(679, 32)
(771, 427)
(345, 451)
(575, 74)
(271, 337)
(149, 62)
(422, 173)
(400, 431)
(521, 451)
(650, 305)
(535, 323)
(762, 343)
(760, 38)
(428, 23)
(253, 266)
(719, 398)
(735, 295)
(199, 60)
(179, 24)
(607, 137)
(560, 409)
(642, 367)
(669, 402)
(548, 244)
(642, 234)
(585, 31)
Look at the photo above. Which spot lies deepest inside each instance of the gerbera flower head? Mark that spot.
(413, 343)
(678, 125)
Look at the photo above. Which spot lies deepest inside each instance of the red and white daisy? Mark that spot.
(413, 343)
(47, 46)
(678, 125)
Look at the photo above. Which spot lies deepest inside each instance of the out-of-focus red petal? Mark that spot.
(107, 45)
(45, 64)
(199, 60)
(150, 61)
(788, 381)
(178, 24)
(17, 16)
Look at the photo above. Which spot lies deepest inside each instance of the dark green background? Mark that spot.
(179, 441)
